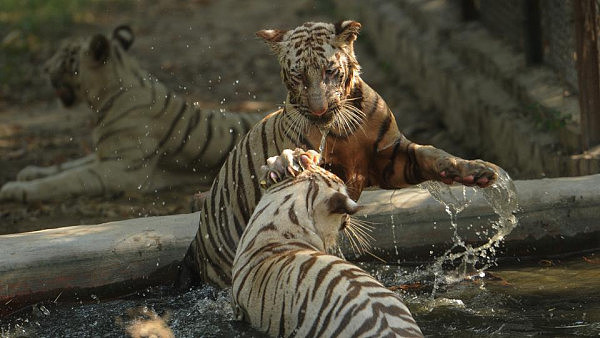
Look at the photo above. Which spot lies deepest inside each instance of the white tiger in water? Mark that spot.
(145, 137)
(284, 282)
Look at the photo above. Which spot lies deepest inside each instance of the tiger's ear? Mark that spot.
(124, 35)
(99, 48)
(346, 32)
(342, 204)
(273, 38)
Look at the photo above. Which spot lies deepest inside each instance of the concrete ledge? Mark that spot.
(556, 217)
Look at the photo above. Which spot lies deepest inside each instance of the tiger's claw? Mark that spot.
(289, 164)
(467, 172)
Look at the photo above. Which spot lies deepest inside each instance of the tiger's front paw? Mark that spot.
(468, 172)
(289, 164)
(15, 191)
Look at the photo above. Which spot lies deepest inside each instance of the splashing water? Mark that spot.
(466, 260)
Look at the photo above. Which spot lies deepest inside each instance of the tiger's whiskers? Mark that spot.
(348, 118)
(358, 234)
(298, 124)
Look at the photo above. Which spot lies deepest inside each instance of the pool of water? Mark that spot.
(548, 298)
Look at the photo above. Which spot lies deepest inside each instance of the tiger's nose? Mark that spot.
(320, 111)
(317, 106)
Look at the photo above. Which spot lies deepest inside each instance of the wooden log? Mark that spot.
(587, 29)
(74, 262)
(87, 262)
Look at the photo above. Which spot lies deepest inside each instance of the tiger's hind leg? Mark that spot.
(188, 274)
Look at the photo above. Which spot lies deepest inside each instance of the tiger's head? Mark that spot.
(83, 69)
(329, 207)
(319, 70)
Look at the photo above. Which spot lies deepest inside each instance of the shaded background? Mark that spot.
(206, 50)
(480, 79)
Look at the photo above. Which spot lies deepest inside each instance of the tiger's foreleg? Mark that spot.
(407, 163)
(32, 172)
(96, 178)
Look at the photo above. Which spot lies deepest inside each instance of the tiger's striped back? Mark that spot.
(233, 197)
(142, 121)
(286, 285)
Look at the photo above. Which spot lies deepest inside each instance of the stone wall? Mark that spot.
(479, 85)
(507, 19)
(558, 35)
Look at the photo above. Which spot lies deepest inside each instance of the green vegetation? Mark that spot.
(38, 16)
(547, 119)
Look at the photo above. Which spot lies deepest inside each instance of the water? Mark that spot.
(204, 312)
(463, 260)
(324, 133)
(559, 298)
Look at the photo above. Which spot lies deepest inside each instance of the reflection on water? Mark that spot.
(559, 298)
(549, 298)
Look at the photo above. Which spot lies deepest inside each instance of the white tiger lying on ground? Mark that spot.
(145, 138)
(285, 284)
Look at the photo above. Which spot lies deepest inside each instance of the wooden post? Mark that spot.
(588, 72)
(533, 32)
(469, 10)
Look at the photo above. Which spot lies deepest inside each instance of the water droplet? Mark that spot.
(44, 310)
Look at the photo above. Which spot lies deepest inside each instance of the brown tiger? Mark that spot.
(363, 146)
(145, 138)
(284, 282)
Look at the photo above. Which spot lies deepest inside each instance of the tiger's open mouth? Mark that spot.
(322, 120)
(66, 95)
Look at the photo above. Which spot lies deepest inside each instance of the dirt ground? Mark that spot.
(204, 49)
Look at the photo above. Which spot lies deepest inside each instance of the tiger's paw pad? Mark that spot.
(470, 173)
(289, 164)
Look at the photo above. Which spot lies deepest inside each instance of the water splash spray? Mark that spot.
(468, 260)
